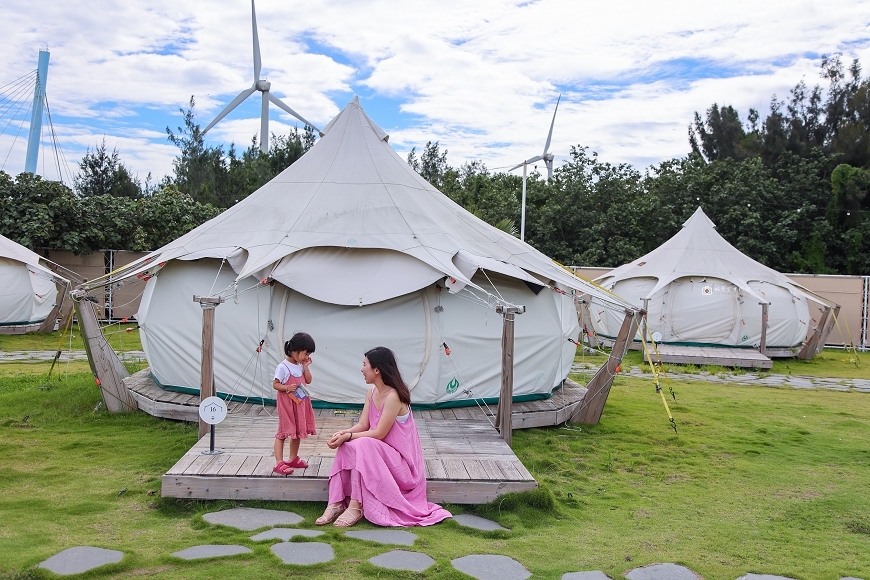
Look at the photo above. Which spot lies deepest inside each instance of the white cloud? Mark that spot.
(479, 76)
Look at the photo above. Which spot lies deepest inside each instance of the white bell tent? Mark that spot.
(702, 291)
(352, 246)
(28, 293)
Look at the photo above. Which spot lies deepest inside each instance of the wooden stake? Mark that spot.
(206, 388)
(762, 345)
(592, 404)
(107, 367)
(504, 421)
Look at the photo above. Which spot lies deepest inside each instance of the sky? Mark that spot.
(481, 77)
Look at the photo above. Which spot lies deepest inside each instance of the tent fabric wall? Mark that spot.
(415, 325)
(28, 293)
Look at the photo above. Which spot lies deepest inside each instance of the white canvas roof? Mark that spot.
(352, 191)
(15, 251)
(698, 250)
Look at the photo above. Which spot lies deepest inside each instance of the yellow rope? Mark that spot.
(849, 334)
(656, 380)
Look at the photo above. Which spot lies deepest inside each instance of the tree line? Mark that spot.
(789, 189)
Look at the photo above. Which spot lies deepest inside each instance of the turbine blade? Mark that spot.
(235, 103)
(533, 159)
(514, 167)
(257, 62)
(281, 105)
(553, 122)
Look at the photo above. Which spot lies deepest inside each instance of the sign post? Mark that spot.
(212, 410)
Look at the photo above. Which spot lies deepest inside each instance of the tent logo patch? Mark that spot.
(718, 289)
(452, 385)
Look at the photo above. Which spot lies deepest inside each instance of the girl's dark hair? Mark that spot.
(300, 341)
(384, 360)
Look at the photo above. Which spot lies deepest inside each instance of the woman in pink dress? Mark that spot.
(378, 470)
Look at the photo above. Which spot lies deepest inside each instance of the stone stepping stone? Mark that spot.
(662, 572)
(849, 578)
(303, 553)
(486, 567)
(478, 523)
(403, 560)
(397, 537)
(285, 534)
(763, 577)
(80, 559)
(249, 519)
(211, 551)
(590, 575)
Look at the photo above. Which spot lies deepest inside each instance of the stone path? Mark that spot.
(759, 379)
(403, 560)
(479, 566)
(210, 551)
(397, 537)
(81, 559)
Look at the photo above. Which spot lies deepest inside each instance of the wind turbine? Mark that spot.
(547, 158)
(263, 86)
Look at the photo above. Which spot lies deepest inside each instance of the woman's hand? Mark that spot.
(338, 438)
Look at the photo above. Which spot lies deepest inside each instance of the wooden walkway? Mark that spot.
(465, 458)
(708, 355)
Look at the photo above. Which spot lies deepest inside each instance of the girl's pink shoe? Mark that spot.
(297, 462)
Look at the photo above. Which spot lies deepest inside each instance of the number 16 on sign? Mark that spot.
(212, 410)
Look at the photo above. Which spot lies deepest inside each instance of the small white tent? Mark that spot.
(352, 246)
(28, 293)
(701, 290)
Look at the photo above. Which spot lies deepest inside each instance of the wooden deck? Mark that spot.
(466, 460)
(725, 357)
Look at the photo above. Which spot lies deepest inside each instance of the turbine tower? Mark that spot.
(264, 87)
(35, 136)
(547, 158)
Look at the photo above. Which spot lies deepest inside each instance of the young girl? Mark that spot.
(295, 414)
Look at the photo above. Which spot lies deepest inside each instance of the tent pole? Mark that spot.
(504, 421)
(812, 344)
(762, 345)
(645, 330)
(206, 388)
(591, 406)
(107, 367)
(828, 328)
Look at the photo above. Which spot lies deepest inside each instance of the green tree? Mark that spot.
(102, 173)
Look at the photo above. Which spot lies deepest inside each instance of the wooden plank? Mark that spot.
(249, 465)
(181, 465)
(475, 469)
(325, 467)
(455, 469)
(233, 464)
(436, 469)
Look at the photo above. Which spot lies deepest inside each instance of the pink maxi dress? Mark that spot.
(385, 476)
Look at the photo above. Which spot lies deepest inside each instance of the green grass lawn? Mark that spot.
(758, 480)
(122, 337)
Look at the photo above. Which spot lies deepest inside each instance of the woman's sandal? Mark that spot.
(297, 462)
(283, 468)
(332, 511)
(346, 522)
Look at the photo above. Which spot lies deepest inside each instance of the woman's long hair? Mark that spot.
(384, 360)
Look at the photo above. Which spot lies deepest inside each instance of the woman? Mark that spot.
(378, 469)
